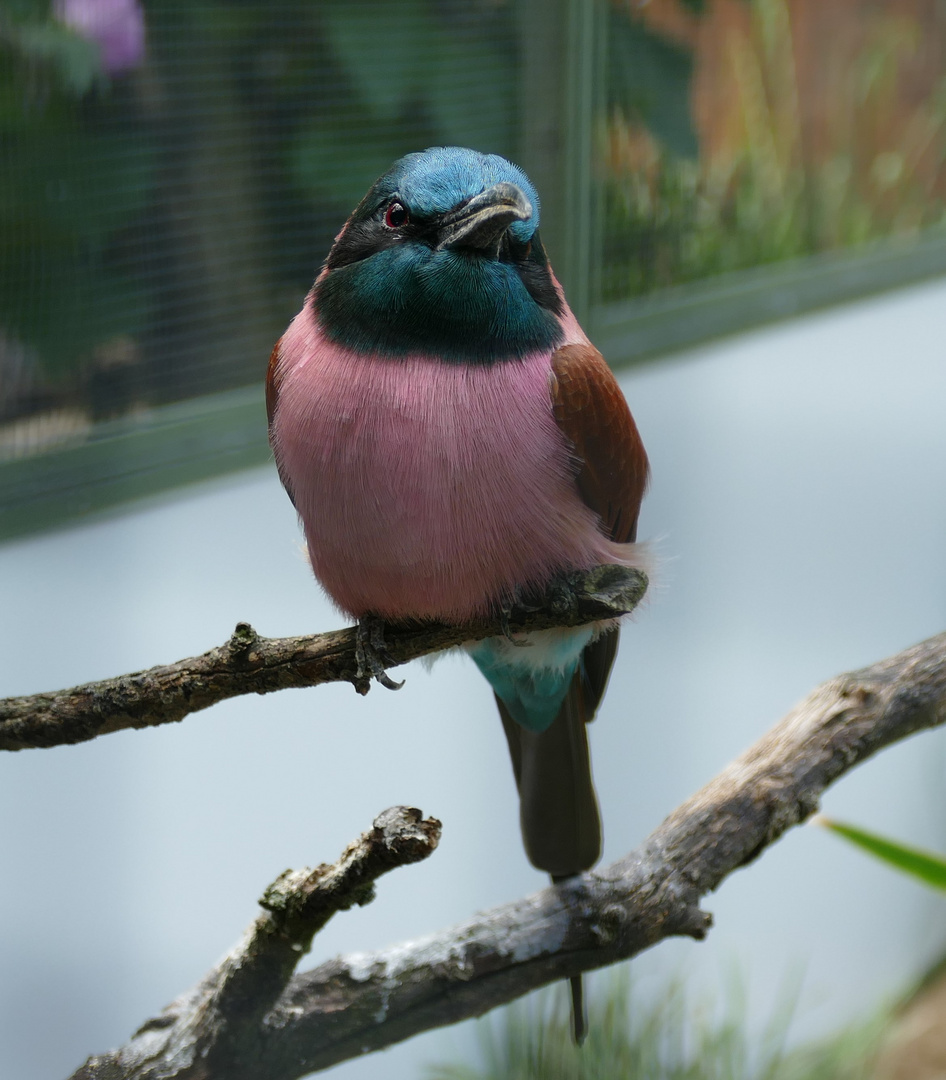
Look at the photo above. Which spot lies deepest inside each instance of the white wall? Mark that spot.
(799, 504)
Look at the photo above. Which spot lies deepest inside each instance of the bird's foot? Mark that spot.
(372, 656)
(560, 595)
(505, 612)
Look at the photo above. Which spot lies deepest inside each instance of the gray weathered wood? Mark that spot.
(368, 1001)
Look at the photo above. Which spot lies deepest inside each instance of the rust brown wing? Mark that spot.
(592, 414)
(611, 473)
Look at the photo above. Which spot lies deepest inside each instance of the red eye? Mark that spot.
(396, 216)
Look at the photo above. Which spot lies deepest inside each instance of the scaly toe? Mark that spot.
(371, 655)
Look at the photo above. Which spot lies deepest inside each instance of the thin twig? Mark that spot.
(250, 664)
(370, 1000)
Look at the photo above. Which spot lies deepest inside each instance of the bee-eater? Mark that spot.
(452, 441)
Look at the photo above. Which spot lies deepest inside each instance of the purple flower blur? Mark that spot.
(116, 26)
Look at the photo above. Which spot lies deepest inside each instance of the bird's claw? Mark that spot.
(559, 596)
(371, 655)
(504, 612)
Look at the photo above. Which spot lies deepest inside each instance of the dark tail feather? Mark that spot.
(579, 1019)
(558, 808)
(579, 1016)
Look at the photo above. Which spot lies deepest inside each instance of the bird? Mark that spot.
(452, 441)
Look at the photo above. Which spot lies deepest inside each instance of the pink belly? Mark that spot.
(426, 489)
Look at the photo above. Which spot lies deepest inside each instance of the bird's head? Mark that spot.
(442, 257)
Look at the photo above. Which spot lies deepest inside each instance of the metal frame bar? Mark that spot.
(634, 330)
(561, 45)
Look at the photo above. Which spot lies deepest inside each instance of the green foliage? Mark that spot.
(662, 1040)
(36, 48)
(922, 865)
(58, 211)
(67, 190)
(671, 219)
(678, 224)
(72, 60)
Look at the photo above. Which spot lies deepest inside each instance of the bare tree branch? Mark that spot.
(370, 1000)
(250, 664)
(224, 1014)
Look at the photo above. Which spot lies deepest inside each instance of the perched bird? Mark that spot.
(451, 441)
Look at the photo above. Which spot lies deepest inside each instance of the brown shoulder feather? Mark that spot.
(592, 414)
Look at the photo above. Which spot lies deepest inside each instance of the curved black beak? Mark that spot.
(479, 224)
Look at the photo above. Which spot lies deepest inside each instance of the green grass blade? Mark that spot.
(660, 1034)
(924, 865)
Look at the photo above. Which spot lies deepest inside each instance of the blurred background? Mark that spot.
(745, 200)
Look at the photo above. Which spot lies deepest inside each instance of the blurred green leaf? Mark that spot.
(340, 157)
(386, 49)
(66, 181)
(472, 94)
(65, 194)
(649, 78)
(419, 78)
(923, 865)
(76, 60)
(63, 302)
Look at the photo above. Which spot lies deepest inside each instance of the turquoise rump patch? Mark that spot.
(532, 687)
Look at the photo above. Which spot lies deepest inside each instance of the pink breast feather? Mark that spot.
(426, 488)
